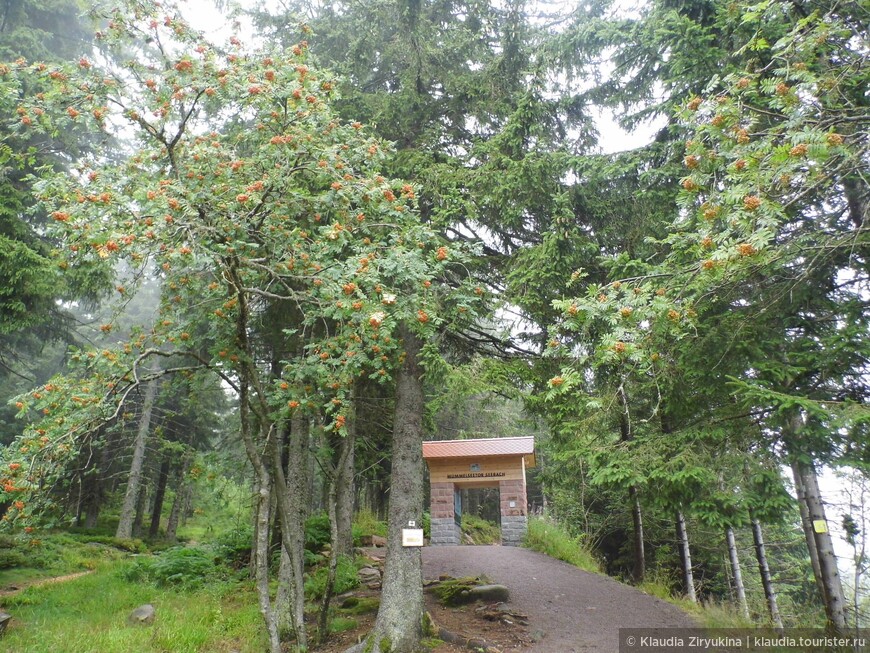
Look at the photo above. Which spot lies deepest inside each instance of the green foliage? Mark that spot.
(317, 532)
(341, 624)
(450, 592)
(345, 579)
(89, 614)
(427, 524)
(27, 286)
(480, 530)
(11, 557)
(549, 538)
(233, 548)
(365, 522)
(298, 202)
(184, 567)
(134, 545)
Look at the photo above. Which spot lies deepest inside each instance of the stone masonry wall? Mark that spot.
(514, 521)
(443, 528)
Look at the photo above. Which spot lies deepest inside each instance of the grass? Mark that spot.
(360, 606)
(365, 522)
(89, 615)
(55, 555)
(551, 539)
(341, 624)
(710, 615)
(480, 530)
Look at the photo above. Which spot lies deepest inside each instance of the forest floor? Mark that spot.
(567, 610)
(14, 588)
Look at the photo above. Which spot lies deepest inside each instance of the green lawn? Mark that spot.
(89, 615)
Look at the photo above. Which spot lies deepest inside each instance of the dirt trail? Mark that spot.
(15, 589)
(575, 610)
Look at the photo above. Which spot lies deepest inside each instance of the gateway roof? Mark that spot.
(481, 447)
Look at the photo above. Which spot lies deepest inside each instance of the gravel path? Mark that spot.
(576, 611)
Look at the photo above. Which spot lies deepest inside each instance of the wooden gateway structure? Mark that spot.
(486, 462)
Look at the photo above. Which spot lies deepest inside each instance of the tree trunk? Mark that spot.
(739, 588)
(625, 435)
(399, 624)
(261, 566)
(639, 571)
(686, 557)
(141, 503)
(835, 602)
(262, 516)
(131, 496)
(159, 495)
(334, 535)
(764, 572)
(92, 507)
(292, 502)
(807, 524)
(180, 498)
(345, 488)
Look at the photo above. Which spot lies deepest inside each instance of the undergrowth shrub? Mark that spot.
(133, 545)
(365, 522)
(10, 558)
(317, 531)
(345, 579)
(34, 554)
(480, 530)
(180, 566)
(233, 547)
(550, 538)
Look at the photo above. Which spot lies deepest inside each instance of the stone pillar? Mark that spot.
(514, 521)
(443, 528)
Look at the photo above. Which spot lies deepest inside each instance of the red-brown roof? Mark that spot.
(522, 446)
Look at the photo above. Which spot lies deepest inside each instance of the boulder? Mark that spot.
(142, 616)
(377, 540)
(489, 593)
(368, 575)
(5, 617)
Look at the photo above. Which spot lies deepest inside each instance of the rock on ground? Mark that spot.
(143, 615)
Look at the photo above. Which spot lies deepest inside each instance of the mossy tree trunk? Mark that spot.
(399, 624)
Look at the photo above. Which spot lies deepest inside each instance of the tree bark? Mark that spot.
(739, 588)
(835, 602)
(639, 570)
(399, 625)
(764, 572)
(334, 535)
(141, 503)
(131, 496)
(807, 525)
(345, 487)
(293, 511)
(686, 557)
(180, 497)
(92, 503)
(159, 495)
(264, 482)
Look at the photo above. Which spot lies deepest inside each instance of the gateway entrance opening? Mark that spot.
(484, 462)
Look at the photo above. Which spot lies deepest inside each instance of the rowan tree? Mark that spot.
(241, 190)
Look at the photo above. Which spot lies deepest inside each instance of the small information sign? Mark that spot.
(820, 526)
(412, 537)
